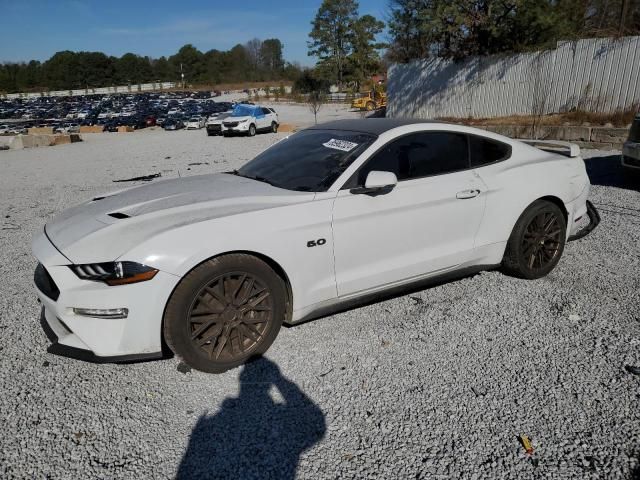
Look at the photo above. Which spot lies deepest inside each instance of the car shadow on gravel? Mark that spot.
(259, 434)
(607, 171)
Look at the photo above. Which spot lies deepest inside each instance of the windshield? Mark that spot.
(309, 161)
(243, 111)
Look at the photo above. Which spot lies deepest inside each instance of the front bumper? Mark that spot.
(239, 128)
(137, 337)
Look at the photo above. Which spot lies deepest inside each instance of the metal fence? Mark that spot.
(132, 88)
(598, 75)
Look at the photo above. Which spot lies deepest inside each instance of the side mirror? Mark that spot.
(377, 183)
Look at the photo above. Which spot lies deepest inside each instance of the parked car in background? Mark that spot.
(631, 148)
(220, 111)
(67, 128)
(195, 123)
(214, 123)
(250, 119)
(173, 124)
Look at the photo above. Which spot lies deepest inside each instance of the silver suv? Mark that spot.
(631, 148)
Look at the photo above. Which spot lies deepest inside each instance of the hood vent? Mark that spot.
(118, 215)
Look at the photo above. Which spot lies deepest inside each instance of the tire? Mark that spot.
(274, 127)
(536, 242)
(234, 334)
(252, 130)
(370, 106)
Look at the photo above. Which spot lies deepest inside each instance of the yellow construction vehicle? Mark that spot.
(371, 100)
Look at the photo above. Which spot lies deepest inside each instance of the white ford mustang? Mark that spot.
(212, 265)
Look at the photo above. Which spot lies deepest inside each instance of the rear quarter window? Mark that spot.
(484, 151)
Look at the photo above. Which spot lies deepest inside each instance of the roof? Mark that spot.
(375, 126)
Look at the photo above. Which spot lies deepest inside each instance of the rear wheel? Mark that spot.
(224, 312)
(537, 241)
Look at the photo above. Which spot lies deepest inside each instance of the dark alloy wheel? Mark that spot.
(224, 312)
(541, 240)
(537, 241)
(230, 315)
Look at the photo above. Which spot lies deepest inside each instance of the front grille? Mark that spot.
(230, 124)
(633, 162)
(45, 283)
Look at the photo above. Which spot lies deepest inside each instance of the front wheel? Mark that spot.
(537, 241)
(274, 127)
(252, 130)
(224, 312)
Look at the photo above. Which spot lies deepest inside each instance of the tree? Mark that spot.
(161, 69)
(315, 100)
(253, 50)
(332, 35)
(410, 37)
(68, 70)
(364, 58)
(308, 82)
(459, 28)
(133, 69)
(271, 56)
(188, 61)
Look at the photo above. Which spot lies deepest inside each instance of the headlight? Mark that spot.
(114, 273)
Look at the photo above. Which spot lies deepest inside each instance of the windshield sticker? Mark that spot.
(343, 145)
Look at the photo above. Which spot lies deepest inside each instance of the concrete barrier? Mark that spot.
(32, 141)
(587, 137)
(91, 129)
(40, 131)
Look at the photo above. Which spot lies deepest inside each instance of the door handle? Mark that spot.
(467, 194)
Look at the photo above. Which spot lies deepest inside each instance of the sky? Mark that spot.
(36, 29)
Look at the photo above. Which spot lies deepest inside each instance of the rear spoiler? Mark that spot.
(556, 146)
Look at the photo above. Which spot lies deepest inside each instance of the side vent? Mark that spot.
(118, 215)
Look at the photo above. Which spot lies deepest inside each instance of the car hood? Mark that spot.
(109, 225)
(218, 118)
(231, 118)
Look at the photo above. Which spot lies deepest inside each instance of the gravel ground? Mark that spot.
(434, 384)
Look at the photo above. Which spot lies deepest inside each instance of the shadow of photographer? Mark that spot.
(253, 435)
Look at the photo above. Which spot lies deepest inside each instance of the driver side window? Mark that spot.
(418, 155)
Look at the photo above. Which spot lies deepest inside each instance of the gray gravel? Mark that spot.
(434, 384)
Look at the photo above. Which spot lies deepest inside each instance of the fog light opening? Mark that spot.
(102, 312)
